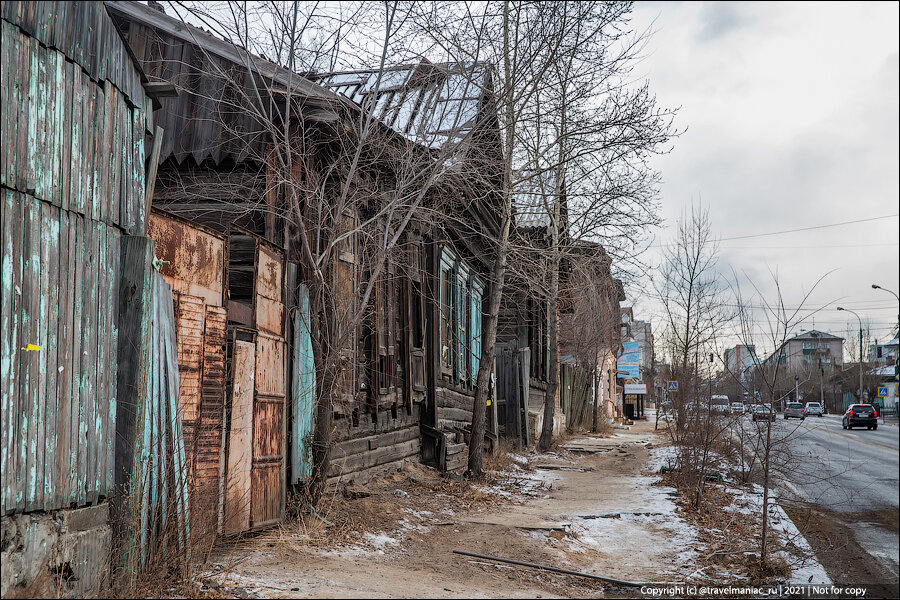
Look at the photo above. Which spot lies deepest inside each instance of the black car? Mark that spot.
(860, 415)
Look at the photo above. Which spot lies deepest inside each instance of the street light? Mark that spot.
(875, 286)
(860, 349)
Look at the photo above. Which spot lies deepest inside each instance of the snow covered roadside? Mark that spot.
(797, 553)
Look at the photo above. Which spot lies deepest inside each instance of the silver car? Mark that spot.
(794, 410)
(813, 409)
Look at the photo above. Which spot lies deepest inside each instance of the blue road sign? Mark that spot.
(673, 386)
(882, 391)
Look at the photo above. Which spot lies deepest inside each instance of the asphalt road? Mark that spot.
(851, 472)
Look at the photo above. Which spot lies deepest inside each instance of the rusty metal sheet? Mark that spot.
(269, 273)
(269, 315)
(189, 322)
(270, 366)
(194, 255)
(237, 471)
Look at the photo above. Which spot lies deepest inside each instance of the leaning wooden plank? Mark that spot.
(115, 261)
(103, 365)
(238, 461)
(134, 317)
(178, 454)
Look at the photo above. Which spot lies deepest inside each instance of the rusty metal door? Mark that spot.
(267, 468)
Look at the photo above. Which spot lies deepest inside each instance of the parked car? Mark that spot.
(761, 412)
(794, 410)
(737, 408)
(813, 409)
(860, 415)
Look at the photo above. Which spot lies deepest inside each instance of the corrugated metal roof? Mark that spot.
(532, 196)
(431, 104)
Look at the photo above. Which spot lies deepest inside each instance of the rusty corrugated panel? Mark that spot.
(209, 445)
(194, 255)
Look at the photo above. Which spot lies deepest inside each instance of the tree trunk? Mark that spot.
(553, 381)
(488, 340)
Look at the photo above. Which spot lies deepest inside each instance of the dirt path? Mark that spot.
(590, 510)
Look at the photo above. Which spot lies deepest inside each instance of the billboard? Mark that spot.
(628, 364)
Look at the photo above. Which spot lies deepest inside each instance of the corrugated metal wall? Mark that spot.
(194, 265)
(72, 182)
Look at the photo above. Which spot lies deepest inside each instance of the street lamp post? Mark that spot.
(875, 286)
(860, 350)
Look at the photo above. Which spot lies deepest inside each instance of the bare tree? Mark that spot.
(764, 319)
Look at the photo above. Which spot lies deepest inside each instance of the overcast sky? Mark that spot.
(791, 112)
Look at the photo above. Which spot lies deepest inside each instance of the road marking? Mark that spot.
(850, 436)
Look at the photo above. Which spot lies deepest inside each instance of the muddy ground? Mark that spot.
(395, 537)
(832, 537)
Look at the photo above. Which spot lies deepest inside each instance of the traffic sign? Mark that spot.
(672, 386)
(699, 388)
(882, 391)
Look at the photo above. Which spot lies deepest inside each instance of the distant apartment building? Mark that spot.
(739, 359)
(809, 351)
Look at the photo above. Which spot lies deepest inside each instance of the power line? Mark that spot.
(756, 235)
(743, 237)
(809, 247)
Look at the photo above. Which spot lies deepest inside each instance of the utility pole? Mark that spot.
(860, 350)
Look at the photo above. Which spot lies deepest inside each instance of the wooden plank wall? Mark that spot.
(71, 183)
(74, 142)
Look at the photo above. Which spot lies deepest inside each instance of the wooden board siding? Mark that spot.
(361, 458)
(60, 275)
(74, 141)
(83, 32)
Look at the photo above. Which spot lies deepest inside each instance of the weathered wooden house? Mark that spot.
(448, 110)
(408, 390)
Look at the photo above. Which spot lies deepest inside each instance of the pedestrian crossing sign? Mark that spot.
(673, 386)
(882, 391)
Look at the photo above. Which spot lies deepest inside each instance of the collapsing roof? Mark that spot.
(435, 105)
